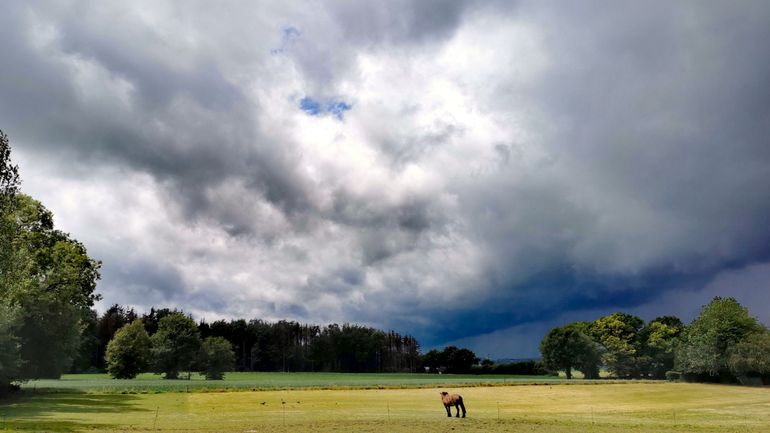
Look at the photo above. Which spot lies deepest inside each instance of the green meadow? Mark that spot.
(258, 381)
(382, 403)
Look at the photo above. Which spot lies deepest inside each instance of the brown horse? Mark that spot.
(450, 400)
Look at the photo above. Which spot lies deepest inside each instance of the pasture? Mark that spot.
(600, 408)
(258, 381)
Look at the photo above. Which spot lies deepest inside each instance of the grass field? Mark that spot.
(268, 381)
(600, 408)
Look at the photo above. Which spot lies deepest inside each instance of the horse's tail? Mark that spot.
(460, 402)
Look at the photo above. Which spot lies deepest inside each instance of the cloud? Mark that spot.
(461, 171)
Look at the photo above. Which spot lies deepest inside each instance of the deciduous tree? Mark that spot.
(618, 335)
(706, 342)
(128, 353)
(175, 345)
(567, 348)
(661, 336)
(216, 358)
(751, 355)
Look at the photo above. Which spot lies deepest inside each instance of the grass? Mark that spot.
(556, 408)
(266, 381)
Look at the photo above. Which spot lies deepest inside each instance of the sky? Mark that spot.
(467, 172)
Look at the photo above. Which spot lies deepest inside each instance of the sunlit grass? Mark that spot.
(634, 407)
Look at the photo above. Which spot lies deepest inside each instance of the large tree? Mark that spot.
(128, 353)
(216, 357)
(567, 348)
(661, 337)
(175, 345)
(10, 360)
(707, 341)
(46, 278)
(619, 336)
(51, 280)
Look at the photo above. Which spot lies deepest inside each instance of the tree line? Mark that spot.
(259, 345)
(724, 343)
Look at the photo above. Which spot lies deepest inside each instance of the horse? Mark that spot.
(450, 400)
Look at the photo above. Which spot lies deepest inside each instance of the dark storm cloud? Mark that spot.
(643, 168)
(661, 171)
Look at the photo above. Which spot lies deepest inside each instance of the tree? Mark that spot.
(10, 361)
(88, 351)
(128, 353)
(152, 319)
(107, 325)
(9, 173)
(432, 360)
(216, 358)
(175, 345)
(51, 279)
(619, 336)
(751, 356)
(459, 360)
(706, 342)
(661, 337)
(567, 348)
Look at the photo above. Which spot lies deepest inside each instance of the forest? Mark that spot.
(259, 345)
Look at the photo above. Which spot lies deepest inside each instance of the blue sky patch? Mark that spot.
(338, 108)
(310, 106)
(333, 107)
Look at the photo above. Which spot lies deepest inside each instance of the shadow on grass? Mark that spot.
(61, 412)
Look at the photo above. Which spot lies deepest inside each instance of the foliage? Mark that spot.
(706, 342)
(175, 345)
(451, 359)
(567, 348)
(128, 353)
(661, 337)
(9, 342)
(216, 358)
(9, 172)
(51, 280)
(150, 319)
(10, 361)
(265, 346)
(619, 336)
(526, 368)
(751, 355)
(88, 350)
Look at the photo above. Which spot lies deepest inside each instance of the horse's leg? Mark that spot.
(457, 407)
(448, 410)
(462, 406)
